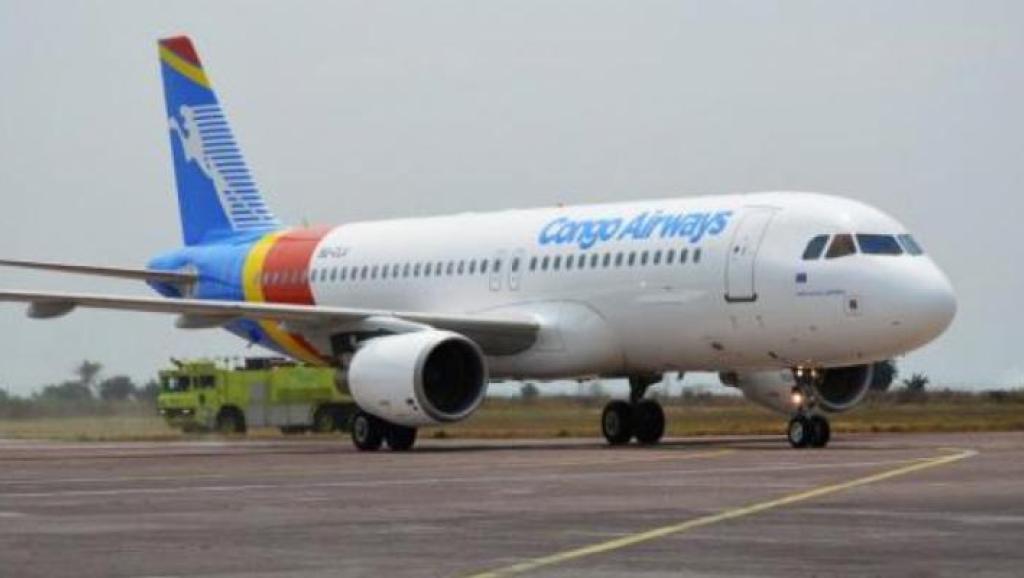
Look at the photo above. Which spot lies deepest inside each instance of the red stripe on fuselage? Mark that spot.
(287, 266)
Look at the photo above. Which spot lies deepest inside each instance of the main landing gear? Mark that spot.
(806, 428)
(369, 433)
(641, 418)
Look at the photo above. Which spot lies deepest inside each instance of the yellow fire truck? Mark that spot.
(263, 392)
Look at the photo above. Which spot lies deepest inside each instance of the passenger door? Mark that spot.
(740, 284)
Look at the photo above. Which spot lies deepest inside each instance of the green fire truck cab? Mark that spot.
(264, 392)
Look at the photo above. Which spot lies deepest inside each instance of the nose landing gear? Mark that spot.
(806, 428)
(641, 418)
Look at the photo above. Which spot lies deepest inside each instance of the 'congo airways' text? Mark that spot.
(588, 232)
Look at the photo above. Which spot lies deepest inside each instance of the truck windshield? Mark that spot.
(176, 383)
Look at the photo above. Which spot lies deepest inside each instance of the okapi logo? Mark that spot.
(201, 127)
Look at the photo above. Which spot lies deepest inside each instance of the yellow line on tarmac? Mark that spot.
(630, 540)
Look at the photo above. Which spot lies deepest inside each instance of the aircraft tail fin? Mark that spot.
(217, 195)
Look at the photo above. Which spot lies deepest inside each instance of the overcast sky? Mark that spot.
(361, 110)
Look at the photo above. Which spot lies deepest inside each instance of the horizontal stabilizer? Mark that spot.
(176, 277)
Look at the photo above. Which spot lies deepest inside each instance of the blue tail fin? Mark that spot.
(217, 195)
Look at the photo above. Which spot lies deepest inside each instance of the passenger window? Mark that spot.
(384, 272)
(556, 263)
(632, 258)
(206, 381)
(643, 258)
(568, 262)
(581, 262)
(607, 260)
(462, 267)
(657, 257)
(544, 263)
(416, 270)
(910, 245)
(842, 245)
(683, 255)
(618, 259)
(533, 263)
(497, 265)
(342, 273)
(878, 245)
(451, 267)
(472, 266)
(696, 254)
(405, 270)
(334, 273)
(815, 247)
(515, 265)
(483, 266)
(670, 257)
(593, 261)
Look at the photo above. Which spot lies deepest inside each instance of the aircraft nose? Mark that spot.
(930, 303)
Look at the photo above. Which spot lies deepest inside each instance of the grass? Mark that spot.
(566, 417)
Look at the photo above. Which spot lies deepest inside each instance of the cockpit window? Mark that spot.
(842, 245)
(910, 245)
(814, 247)
(878, 245)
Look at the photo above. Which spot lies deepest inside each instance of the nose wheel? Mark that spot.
(809, 431)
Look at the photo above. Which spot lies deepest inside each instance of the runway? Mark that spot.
(870, 505)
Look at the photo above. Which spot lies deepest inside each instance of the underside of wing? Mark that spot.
(496, 336)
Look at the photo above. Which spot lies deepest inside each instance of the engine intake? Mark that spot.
(419, 378)
(837, 388)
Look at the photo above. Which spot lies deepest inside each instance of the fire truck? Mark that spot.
(205, 395)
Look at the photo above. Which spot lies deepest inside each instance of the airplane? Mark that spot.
(791, 297)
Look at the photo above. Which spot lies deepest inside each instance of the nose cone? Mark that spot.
(930, 303)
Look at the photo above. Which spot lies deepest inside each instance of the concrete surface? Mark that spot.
(315, 507)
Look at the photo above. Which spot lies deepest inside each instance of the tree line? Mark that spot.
(87, 392)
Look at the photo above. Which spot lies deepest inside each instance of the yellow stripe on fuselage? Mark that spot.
(186, 68)
(252, 275)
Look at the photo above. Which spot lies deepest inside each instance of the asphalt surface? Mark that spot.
(871, 505)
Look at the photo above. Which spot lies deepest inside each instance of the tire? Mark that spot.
(648, 422)
(617, 422)
(821, 431)
(799, 432)
(400, 438)
(367, 432)
(230, 421)
(324, 420)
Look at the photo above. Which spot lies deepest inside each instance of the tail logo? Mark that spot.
(207, 141)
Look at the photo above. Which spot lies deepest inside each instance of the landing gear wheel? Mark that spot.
(648, 422)
(367, 432)
(617, 422)
(400, 438)
(821, 431)
(799, 432)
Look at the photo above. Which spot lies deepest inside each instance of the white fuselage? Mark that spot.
(614, 304)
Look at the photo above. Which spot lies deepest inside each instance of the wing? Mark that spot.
(119, 272)
(495, 335)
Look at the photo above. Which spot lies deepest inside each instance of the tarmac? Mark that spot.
(868, 505)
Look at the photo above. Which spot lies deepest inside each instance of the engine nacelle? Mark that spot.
(419, 378)
(837, 389)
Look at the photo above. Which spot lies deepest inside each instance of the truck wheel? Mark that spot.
(367, 432)
(230, 421)
(400, 438)
(324, 420)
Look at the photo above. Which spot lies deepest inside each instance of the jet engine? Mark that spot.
(419, 378)
(836, 389)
